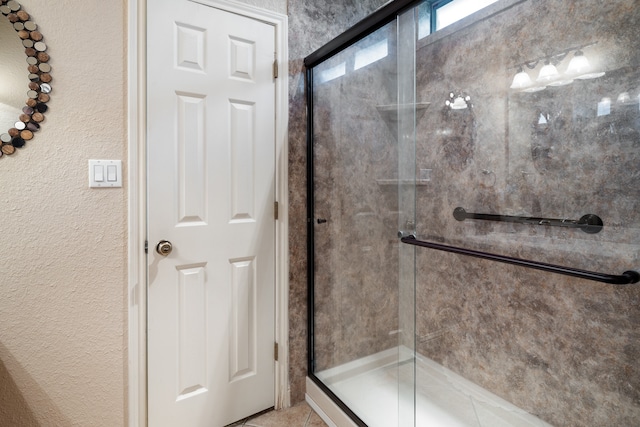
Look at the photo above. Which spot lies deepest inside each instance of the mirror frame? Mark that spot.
(39, 76)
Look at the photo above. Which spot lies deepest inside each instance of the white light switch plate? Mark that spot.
(105, 173)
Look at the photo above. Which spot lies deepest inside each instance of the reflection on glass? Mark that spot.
(521, 80)
(458, 9)
(371, 54)
(332, 73)
(548, 73)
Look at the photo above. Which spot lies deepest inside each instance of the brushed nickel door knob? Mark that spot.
(164, 247)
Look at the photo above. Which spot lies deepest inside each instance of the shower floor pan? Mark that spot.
(371, 386)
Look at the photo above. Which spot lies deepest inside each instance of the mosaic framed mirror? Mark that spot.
(25, 74)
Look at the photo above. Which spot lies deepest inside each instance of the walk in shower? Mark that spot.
(474, 215)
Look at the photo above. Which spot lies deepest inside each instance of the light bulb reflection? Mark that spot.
(521, 80)
(548, 73)
(580, 68)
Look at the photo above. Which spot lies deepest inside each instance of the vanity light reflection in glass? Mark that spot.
(579, 67)
(458, 102)
(548, 72)
(521, 80)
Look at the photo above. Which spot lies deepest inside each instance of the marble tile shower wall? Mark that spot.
(564, 349)
(311, 25)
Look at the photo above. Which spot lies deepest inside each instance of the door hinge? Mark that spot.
(275, 69)
(146, 246)
(275, 210)
(275, 351)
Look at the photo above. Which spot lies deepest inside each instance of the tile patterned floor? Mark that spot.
(300, 415)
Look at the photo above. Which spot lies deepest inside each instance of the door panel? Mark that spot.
(211, 189)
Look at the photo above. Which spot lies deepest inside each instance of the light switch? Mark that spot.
(112, 173)
(98, 173)
(105, 173)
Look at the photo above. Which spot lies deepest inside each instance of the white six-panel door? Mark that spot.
(211, 192)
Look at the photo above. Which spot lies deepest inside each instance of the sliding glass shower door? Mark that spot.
(474, 215)
(532, 143)
(362, 328)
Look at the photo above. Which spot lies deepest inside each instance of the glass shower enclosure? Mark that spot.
(474, 216)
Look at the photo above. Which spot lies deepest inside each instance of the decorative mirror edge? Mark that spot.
(39, 71)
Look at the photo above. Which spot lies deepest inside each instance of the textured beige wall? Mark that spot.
(63, 274)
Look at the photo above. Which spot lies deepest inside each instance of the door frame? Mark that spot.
(136, 393)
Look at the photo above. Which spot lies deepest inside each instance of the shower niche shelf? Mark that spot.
(389, 114)
(419, 106)
(395, 182)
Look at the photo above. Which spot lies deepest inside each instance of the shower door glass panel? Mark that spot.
(362, 352)
(533, 139)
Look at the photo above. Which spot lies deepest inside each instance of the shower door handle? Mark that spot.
(626, 278)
